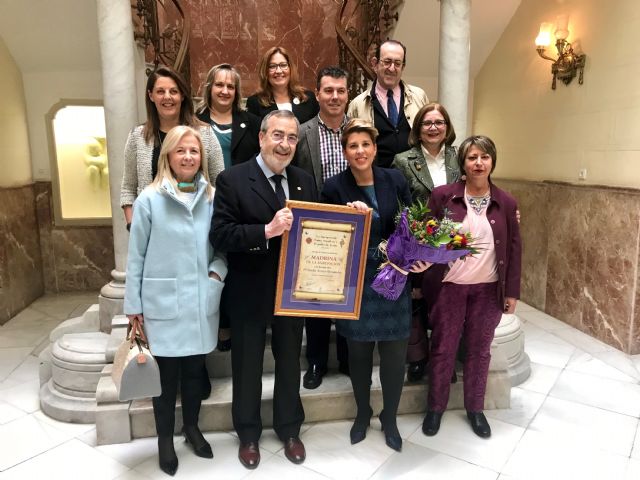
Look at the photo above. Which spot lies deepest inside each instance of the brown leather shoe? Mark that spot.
(294, 450)
(249, 455)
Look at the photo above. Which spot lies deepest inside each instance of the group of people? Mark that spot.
(203, 262)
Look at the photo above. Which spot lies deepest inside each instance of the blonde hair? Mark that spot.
(205, 104)
(168, 145)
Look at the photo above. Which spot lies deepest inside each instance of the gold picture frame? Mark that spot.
(322, 261)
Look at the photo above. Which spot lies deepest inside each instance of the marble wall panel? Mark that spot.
(532, 200)
(611, 266)
(568, 232)
(635, 319)
(20, 258)
(44, 214)
(238, 31)
(581, 256)
(75, 258)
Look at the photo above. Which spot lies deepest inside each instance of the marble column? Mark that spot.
(117, 50)
(453, 68)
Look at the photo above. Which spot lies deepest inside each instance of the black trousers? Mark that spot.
(188, 372)
(249, 337)
(318, 337)
(392, 357)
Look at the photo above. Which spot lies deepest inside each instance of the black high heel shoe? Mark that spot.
(193, 436)
(358, 431)
(167, 458)
(391, 434)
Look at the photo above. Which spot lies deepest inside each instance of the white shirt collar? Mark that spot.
(438, 160)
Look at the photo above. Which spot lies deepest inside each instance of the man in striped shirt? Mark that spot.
(319, 152)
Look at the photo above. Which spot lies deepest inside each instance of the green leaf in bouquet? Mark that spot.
(443, 239)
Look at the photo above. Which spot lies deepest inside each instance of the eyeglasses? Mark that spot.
(282, 66)
(279, 137)
(428, 124)
(387, 62)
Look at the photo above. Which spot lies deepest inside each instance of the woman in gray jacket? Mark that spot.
(430, 162)
(174, 284)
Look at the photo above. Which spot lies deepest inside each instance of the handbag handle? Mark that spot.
(136, 336)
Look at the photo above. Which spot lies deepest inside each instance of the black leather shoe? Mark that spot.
(167, 456)
(479, 424)
(313, 378)
(391, 434)
(415, 371)
(193, 436)
(431, 423)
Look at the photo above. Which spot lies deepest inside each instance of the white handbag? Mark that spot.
(135, 371)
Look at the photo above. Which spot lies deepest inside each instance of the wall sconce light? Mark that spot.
(568, 64)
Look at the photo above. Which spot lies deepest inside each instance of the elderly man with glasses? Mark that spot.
(249, 219)
(391, 104)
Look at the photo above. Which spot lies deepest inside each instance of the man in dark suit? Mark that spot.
(249, 219)
(319, 153)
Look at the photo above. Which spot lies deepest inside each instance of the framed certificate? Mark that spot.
(322, 261)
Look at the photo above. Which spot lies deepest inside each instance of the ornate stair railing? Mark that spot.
(162, 29)
(360, 27)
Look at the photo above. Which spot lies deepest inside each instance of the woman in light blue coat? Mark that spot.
(174, 283)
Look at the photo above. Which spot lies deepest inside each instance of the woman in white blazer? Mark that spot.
(174, 284)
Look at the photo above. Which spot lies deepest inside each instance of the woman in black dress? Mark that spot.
(363, 186)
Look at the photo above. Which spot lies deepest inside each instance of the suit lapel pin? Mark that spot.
(243, 125)
(298, 188)
(418, 166)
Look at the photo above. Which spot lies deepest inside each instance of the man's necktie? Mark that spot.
(392, 109)
(282, 198)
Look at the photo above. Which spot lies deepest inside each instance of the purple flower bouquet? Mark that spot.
(430, 241)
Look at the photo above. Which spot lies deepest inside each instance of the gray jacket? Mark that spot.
(308, 151)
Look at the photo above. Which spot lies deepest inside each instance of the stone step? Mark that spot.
(333, 400)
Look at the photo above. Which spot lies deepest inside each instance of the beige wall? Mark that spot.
(15, 161)
(544, 134)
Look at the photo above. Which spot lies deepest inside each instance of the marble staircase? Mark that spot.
(119, 422)
(81, 390)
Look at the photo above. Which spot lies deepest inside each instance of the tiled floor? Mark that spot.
(576, 417)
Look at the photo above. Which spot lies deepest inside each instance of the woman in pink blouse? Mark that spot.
(475, 292)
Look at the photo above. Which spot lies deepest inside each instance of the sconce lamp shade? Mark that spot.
(562, 27)
(544, 36)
